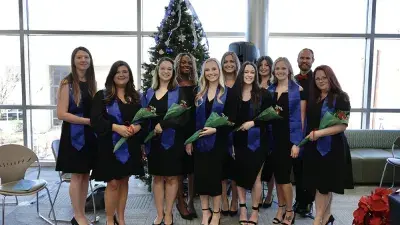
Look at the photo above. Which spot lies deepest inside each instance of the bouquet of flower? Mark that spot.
(330, 119)
(214, 121)
(175, 111)
(268, 114)
(142, 114)
(373, 209)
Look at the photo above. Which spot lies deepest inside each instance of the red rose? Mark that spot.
(342, 116)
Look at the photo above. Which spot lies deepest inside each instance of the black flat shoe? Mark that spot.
(232, 213)
(266, 205)
(185, 217)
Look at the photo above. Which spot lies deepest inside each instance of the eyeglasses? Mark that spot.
(321, 79)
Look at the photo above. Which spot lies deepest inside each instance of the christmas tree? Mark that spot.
(180, 31)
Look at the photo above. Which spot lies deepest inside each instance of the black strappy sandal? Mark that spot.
(254, 209)
(289, 218)
(244, 206)
(219, 221)
(279, 221)
(209, 219)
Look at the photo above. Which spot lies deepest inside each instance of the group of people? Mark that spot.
(245, 152)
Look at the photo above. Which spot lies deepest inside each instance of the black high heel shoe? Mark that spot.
(226, 212)
(115, 220)
(330, 221)
(232, 213)
(243, 206)
(185, 217)
(276, 220)
(266, 205)
(209, 219)
(252, 222)
(289, 218)
(74, 222)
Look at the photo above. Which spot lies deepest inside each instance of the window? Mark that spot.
(386, 74)
(385, 121)
(344, 56)
(10, 72)
(147, 42)
(316, 16)
(42, 132)
(11, 127)
(355, 121)
(210, 13)
(387, 17)
(9, 15)
(49, 51)
(116, 15)
(218, 46)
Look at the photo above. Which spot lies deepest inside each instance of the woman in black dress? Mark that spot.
(208, 150)
(230, 67)
(165, 151)
(289, 101)
(113, 109)
(186, 75)
(250, 142)
(264, 66)
(326, 165)
(77, 142)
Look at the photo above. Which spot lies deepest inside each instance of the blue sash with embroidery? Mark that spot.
(296, 133)
(122, 154)
(254, 134)
(324, 143)
(168, 134)
(206, 143)
(77, 131)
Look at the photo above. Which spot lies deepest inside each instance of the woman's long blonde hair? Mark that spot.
(289, 67)
(204, 84)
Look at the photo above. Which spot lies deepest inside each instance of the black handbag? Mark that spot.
(98, 193)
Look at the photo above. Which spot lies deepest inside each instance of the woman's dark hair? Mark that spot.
(270, 62)
(335, 88)
(131, 95)
(255, 90)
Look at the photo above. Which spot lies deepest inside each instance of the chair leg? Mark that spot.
(3, 204)
(55, 198)
(51, 205)
(394, 175)
(383, 174)
(96, 218)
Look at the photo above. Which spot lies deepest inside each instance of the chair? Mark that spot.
(394, 161)
(66, 177)
(14, 161)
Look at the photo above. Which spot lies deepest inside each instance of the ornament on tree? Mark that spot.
(180, 31)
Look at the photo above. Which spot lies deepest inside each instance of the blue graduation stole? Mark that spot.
(77, 131)
(122, 154)
(206, 143)
(168, 135)
(324, 143)
(254, 134)
(296, 133)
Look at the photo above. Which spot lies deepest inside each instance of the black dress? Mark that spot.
(107, 166)
(208, 165)
(332, 172)
(69, 159)
(228, 163)
(168, 162)
(281, 160)
(189, 93)
(248, 163)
